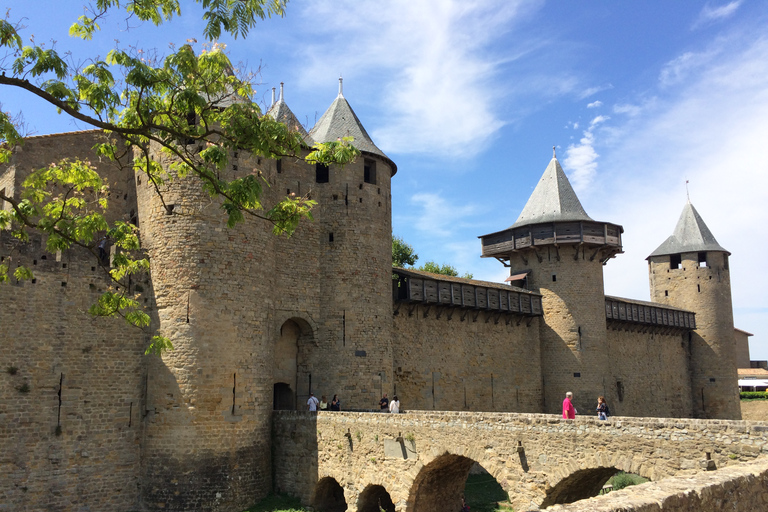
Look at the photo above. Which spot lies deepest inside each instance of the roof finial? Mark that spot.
(554, 155)
(281, 91)
(687, 194)
(273, 97)
(341, 94)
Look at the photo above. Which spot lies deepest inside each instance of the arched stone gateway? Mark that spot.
(290, 387)
(375, 498)
(329, 496)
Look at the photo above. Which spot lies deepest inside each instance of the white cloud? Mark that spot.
(595, 104)
(630, 110)
(709, 14)
(581, 159)
(586, 93)
(435, 62)
(438, 217)
(680, 68)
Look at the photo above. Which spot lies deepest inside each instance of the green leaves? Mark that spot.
(340, 152)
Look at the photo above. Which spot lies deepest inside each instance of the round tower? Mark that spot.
(690, 271)
(556, 249)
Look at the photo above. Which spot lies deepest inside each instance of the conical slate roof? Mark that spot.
(553, 200)
(340, 121)
(691, 235)
(280, 112)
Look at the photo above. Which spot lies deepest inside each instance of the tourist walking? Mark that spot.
(569, 411)
(335, 403)
(312, 403)
(394, 405)
(323, 403)
(602, 409)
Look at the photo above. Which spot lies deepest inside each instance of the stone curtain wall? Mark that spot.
(533, 456)
(486, 366)
(652, 372)
(742, 488)
(71, 415)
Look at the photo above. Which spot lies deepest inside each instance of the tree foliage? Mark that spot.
(444, 269)
(190, 108)
(402, 253)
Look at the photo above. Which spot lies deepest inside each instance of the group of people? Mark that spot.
(387, 405)
(569, 411)
(313, 404)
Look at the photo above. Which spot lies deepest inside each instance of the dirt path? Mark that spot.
(755, 410)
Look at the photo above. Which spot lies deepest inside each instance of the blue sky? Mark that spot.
(468, 98)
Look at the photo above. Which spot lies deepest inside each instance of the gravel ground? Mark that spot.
(754, 410)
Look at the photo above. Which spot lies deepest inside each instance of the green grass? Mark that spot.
(277, 503)
(484, 494)
(621, 480)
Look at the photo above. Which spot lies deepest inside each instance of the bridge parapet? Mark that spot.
(537, 458)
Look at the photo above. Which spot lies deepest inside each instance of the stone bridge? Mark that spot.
(419, 461)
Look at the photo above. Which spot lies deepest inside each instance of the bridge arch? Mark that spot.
(439, 484)
(375, 498)
(328, 496)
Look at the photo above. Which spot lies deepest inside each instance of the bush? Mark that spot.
(753, 395)
(621, 480)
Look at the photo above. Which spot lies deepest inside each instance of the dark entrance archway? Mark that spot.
(329, 496)
(283, 397)
(375, 498)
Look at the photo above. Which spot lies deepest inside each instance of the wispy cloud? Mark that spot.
(710, 13)
(436, 61)
(591, 91)
(595, 104)
(626, 108)
(438, 216)
(680, 68)
(581, 159)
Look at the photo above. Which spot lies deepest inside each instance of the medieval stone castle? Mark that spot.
(87, 422)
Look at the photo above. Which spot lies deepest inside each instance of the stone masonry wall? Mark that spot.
(706, 290)
(71, 389)
(651, 372)
(489, 366)
(532, 456)
(739, 489)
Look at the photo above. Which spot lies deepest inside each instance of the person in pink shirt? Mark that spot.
(569, 411)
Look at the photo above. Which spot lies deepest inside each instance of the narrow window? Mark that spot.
(369, 171)
(698, 286)
(702, 259)
(322, 173)
(666, 293)
(577, 374)
(554, 277)
(725, 262)
(620, 390)
(330, 237)
(675, 260)
(279, 166)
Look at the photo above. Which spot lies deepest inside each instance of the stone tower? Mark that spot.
(258, 321)
(556, 249)
(690, 271)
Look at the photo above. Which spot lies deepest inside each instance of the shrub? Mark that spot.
(753, 395)
(621, 480)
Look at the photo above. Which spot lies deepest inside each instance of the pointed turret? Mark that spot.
(690, 271)
(341, 121)
(556, 249)
(280, 112)
(691, 235)
(553, 199)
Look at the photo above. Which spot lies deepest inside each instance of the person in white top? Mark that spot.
(312, 403)
(394, 405)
